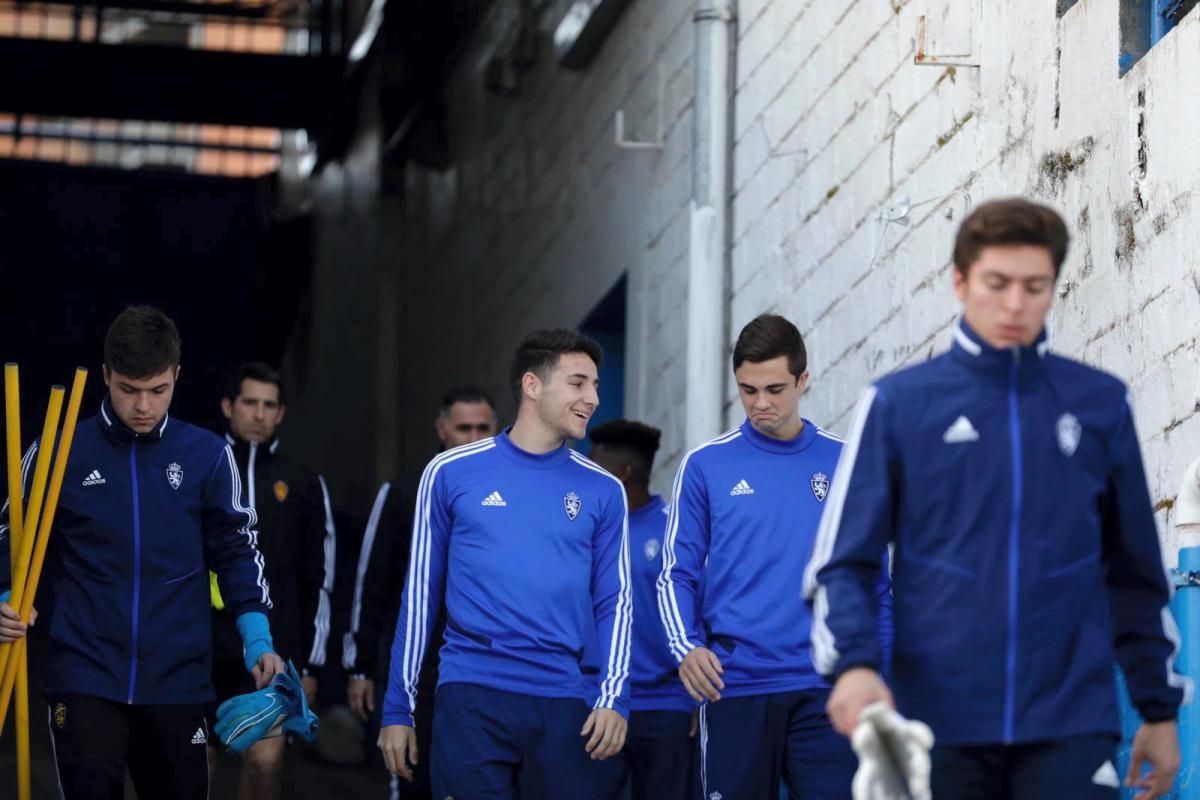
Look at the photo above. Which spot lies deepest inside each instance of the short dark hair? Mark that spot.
(252, 371)
(636, 441)
(141, 342)
(539, 353)
(465, 394)
(770, 336)
(1008, 222)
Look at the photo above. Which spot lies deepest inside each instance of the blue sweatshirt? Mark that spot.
(531, 554)
(744, 517)
(654, 675)
(1027, 559)
(141, 520)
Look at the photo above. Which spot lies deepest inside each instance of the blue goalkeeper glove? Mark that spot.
(247, 718)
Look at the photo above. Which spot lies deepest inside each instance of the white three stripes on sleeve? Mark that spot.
(248, 530)
(825, 653)
(329, 546)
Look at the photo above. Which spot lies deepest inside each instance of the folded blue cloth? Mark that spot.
(281, 706)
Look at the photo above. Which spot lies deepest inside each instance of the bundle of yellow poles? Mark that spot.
(29, 535)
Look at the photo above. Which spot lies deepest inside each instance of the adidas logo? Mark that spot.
(961, 431)
(199, 737)
(1107, 776)
(494, 499)
(94, 478)
(741, 488)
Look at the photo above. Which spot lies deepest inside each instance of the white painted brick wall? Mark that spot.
(833, 123)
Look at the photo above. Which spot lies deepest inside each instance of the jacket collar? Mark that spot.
(241, 447)
(120, 432)
(970, 349)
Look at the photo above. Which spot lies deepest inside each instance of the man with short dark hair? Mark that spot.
(297, 538)
(744, 516)
(466, 415)
(656, 762)
(527, 542)
(147, 503)
(1027, 561)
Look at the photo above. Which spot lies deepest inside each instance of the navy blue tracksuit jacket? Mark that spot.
(1027, 560)
(141, 520)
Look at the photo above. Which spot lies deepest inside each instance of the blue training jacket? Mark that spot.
(1027, 560)
(531, 554)
(743, 522)
(140, 522)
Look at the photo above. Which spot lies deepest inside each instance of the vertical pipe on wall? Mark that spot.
(708, 267)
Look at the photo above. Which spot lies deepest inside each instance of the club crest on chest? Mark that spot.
(820, 486)
(572, 504)
(175, 475)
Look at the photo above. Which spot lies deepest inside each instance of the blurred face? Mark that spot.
(256, 412)
(465, 423)
(141, 403)
(568, 397)
(1007, 293)
(770, 395)
(611, 461)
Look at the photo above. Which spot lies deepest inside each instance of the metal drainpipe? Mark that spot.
(708, 263)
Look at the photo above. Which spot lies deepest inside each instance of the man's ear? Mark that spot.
(279, 414)
(107, 374)
(531, 386)
(802, 381)
(439, 425)
(227, 407)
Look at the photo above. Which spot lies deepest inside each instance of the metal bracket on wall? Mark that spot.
(969, 58)
(634, 144)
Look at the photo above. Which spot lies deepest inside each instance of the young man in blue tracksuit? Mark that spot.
(527, 543)
(743, 520)
(656, 762)
(149, 504)
(1027, 561)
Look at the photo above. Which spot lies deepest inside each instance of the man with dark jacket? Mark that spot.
(466, 415)
(297, 538)
(149, 504)
(1027, 560)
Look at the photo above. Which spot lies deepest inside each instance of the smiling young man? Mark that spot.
(298, 541)
(527, 543)
(1027, 561)
(148, 502)
(743, 520)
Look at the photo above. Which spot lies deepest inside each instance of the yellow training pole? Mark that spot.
(24, 778)
(47, 520)
(12, 418)
(12, 415)
(22, 545)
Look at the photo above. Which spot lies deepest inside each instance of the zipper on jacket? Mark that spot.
(1013, 550)
(250, 473)
(137, 568)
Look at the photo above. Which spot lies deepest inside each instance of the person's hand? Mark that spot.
(11, 627)
(701, 672)
(398, 743)
(607, 731)
(856, 689)
(309, 682)
(360, 696)
(1155, 744)
(269, 665)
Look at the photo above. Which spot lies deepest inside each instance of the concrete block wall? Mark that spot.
(836, 124)
(835, 127)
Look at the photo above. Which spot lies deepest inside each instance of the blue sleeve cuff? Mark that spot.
(256, 637)
(7, 593)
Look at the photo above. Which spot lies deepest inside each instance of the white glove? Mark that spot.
(893, 756)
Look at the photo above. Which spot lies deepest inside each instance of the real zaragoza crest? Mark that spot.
(820, 485)
(175, 475)
(572, 504)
